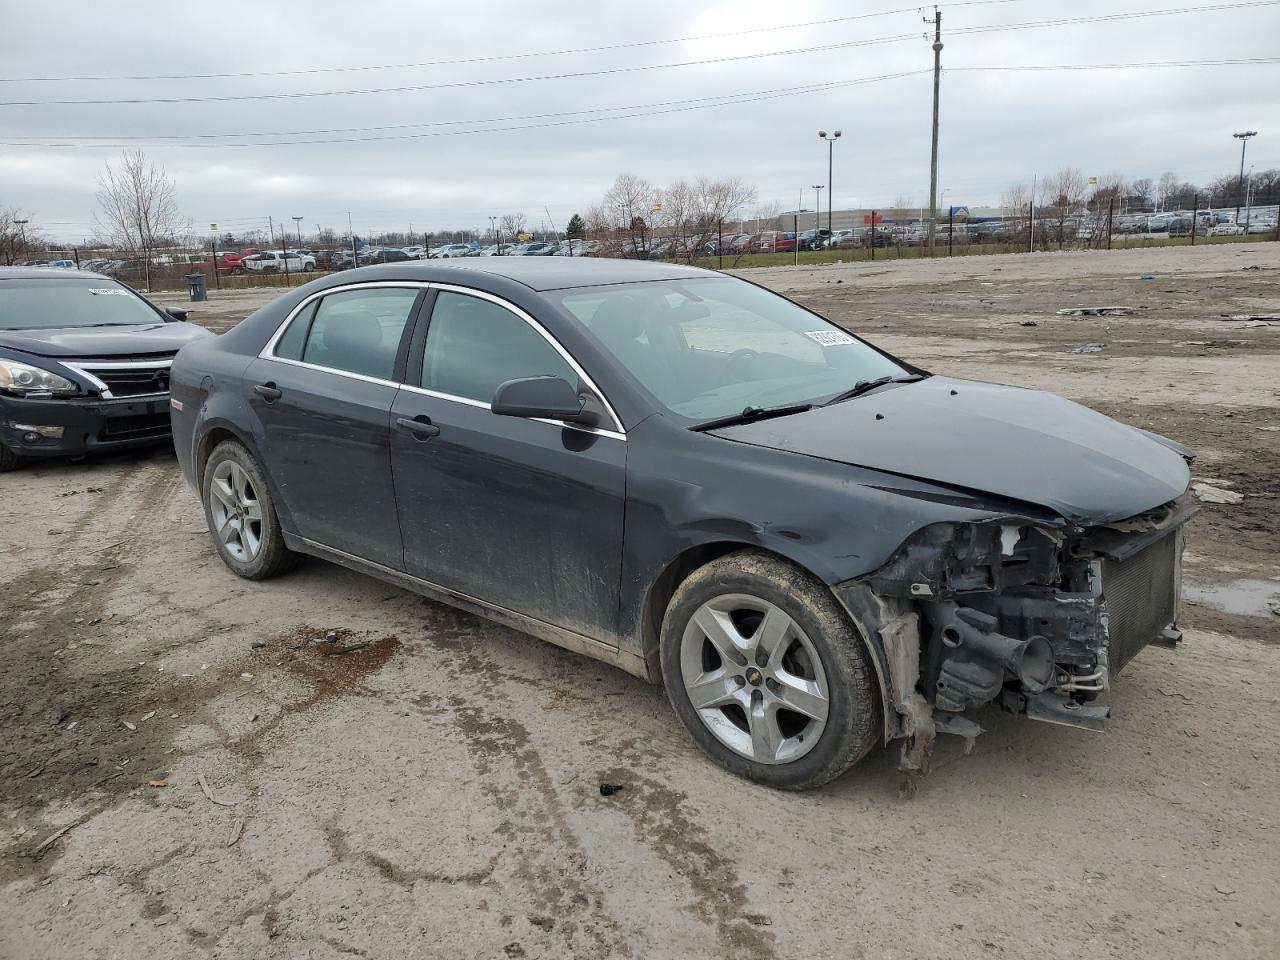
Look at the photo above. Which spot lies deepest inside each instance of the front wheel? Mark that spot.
(768, 673)
(241, 516)
(8, 459)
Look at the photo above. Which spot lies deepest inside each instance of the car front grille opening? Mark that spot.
(133, 381)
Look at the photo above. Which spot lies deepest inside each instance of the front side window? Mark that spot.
(475, 345)
(359, 331)
(710, 348)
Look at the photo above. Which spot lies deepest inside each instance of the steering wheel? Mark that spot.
(737, 364)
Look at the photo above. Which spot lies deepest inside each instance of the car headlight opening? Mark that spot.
(24, 380)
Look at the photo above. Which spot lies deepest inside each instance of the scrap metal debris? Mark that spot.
(1087, 348)
(1249, 317)
(1095, 312)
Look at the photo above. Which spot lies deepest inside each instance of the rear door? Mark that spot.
(322, 390)
(522, 514)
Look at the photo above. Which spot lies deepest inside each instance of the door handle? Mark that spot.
(420, 426)
(268, 391)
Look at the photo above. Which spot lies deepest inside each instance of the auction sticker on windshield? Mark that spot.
(829, 338)
(109, 291)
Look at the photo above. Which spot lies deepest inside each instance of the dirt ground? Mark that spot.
(184, 773)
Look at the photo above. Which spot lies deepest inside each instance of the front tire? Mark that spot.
(8, 459)
(768, 673)
(241, 515)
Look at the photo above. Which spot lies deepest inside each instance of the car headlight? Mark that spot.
(23, 380)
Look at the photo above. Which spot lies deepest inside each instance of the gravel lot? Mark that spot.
(218, 787)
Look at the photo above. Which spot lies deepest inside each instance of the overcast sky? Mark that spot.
(996, 127)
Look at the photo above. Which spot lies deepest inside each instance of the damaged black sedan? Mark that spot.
(815, 546)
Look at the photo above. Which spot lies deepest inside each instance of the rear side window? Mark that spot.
(473, 346)
(359, 331)
(290, 345)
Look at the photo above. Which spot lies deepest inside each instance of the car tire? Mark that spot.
(308, 267)
(241, 514)
(8, 459)
(238, 272)
(764, 586)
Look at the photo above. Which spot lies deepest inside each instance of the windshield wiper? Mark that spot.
(752, 414)
(863, 386)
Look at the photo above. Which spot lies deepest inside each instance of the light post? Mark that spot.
(795, 231)
(1243, 137)
(817, 213)
(22, 229)
(831, 144)
(297, 223)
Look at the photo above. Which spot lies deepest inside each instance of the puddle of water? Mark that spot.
(1246, 598)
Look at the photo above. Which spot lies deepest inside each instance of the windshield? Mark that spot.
(43, 304)
(711, 348)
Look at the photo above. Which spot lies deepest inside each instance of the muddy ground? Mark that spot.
(435, 793)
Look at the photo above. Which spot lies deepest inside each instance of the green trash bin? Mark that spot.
(196, 288)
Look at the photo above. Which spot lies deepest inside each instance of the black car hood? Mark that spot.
(131, 340)
(1025, 445)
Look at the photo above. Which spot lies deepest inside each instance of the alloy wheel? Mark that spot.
(236, 511)
(754, 678)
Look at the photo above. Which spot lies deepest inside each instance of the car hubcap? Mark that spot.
(755, 678)
(236, 512)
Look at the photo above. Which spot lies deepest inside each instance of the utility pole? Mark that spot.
(297, 222)
(817, 213)
(1244, 141)
(933, 157)
(351, 233)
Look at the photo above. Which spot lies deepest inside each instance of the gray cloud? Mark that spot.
(997, 127)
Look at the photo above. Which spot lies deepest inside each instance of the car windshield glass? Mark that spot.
(42, 304)
(712, 347)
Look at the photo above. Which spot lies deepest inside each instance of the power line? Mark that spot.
(496, 57)
(595, 115)
(728, 97)
(466, 83)
(529, 126)
(989, 28)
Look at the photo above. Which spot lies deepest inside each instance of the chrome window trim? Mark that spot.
(104, 391)
(268, 350)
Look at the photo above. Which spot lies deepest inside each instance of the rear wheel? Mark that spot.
(768, 673)
(241, 515)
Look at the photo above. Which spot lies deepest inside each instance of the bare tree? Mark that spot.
(716, 201)
(679, 201)
(629, 203)
(1167, 189)
(768, 216)
(16, 239)
(1108, 193)
(512, 224)
(139, 206)
(1063, 194)
(1016, 204)
(1143, 189)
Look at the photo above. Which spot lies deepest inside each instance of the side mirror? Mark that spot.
(177, 313)
(549, 398)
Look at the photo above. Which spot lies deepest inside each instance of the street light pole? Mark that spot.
(831, 144)
(1243, 137)
(22, 229)
(297, 222)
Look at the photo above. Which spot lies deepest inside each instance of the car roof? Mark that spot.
(558, 273)
(41, 273)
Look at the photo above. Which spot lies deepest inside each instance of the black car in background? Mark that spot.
(84, 364)
(815, 546)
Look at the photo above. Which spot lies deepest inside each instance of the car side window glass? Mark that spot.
(359, 331)
(289, 346)
(474, 345)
